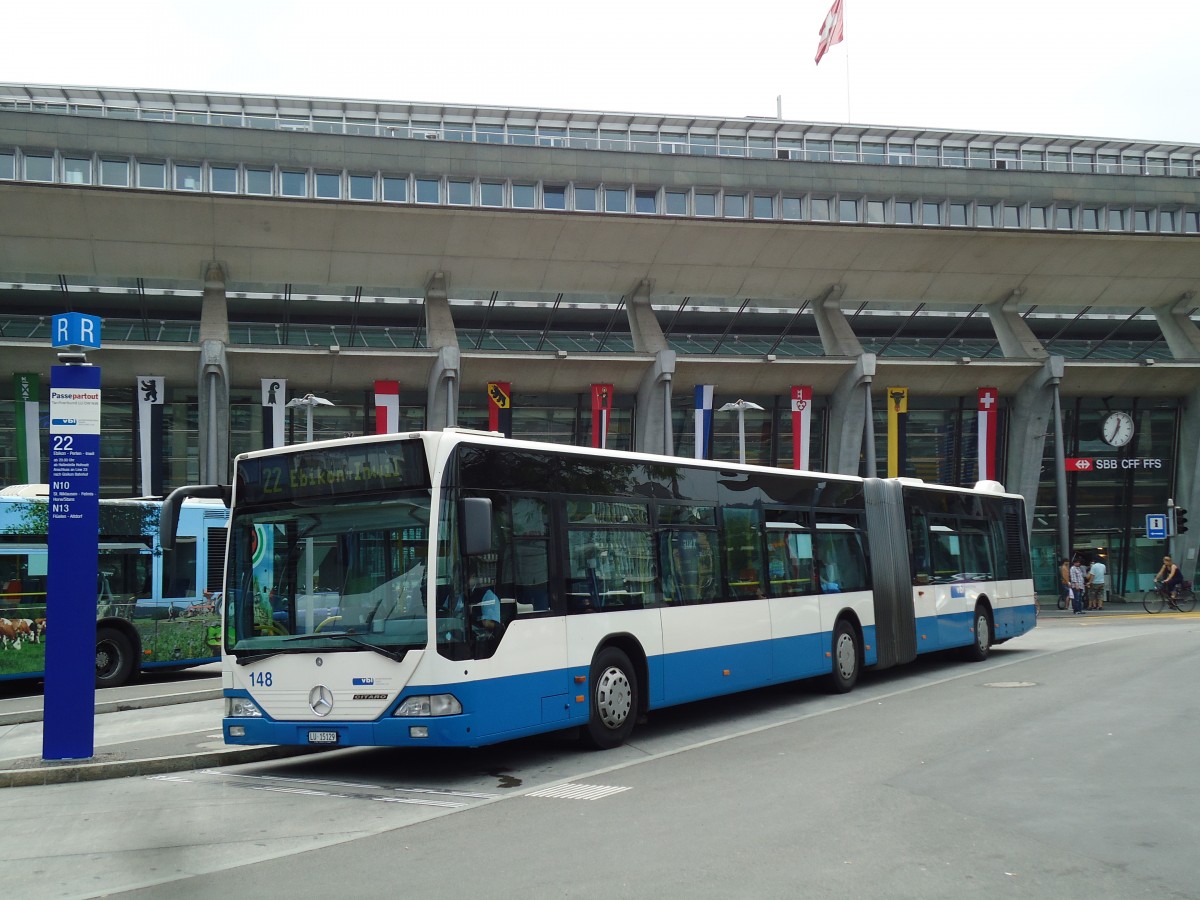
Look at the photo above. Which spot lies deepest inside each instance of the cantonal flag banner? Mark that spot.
(831, 29)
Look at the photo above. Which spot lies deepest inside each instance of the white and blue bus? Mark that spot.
(151, 609)
(459, 589)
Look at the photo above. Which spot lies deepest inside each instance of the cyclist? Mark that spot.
(1170, 577)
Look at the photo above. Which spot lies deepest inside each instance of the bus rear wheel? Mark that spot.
(847, 661)
(613, 702)
(114, 658)
(981, 644)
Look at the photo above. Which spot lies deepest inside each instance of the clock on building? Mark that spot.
(1117, 429)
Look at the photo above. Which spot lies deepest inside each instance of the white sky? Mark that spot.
(1097, 68)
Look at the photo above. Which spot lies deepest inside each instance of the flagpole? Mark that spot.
(848, 119)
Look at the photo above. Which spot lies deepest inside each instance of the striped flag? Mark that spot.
(989, 403)
(801, 425)
(150, 391)
(274, 411)
(387, 407)
(27, 413)
(704, 420)
(831, 29)
(500, 407)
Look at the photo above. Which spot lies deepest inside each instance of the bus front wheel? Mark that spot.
(613, 702)
(847, 661)
(114, 658)
(981, 639)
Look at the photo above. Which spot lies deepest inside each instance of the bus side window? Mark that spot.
(743, 552)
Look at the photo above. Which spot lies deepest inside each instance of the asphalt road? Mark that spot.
(1063, 767)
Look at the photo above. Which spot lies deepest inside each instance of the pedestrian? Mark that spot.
(1078, 586)
(1097, 573)
(1064, 583)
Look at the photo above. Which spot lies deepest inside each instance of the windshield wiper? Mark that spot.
(395, 655)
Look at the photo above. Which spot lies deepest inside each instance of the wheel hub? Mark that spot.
(614, 697)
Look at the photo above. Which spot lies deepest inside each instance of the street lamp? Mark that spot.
(741, 406)
(308, 401)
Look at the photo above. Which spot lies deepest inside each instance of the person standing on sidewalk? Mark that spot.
(1078, 586)
(1064, 583)
(1097, 575)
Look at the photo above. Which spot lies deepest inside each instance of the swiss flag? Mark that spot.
(831, 29)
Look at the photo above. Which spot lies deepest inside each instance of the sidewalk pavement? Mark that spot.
(129, 742)
(132, 737)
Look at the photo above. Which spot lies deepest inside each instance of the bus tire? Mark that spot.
(981, 640)
(613, 706)
(847, 660)
(114, 658)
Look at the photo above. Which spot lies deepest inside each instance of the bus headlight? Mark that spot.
(430, 705)
(241, 708)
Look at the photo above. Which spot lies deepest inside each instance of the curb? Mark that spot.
(43, 773)
(25, 716)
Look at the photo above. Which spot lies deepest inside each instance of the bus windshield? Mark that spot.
(329, 574)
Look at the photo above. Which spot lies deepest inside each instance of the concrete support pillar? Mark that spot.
(212, 381)
(1178, 329)
(643, 325)
(1187, 485)
(848, 411)
(837, 337)
(652, 430)
(1028, 421)
(1017, 340)
(441, 406)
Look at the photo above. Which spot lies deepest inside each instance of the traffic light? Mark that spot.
(1180, 520)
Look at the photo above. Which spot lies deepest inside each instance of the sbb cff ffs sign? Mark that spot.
(1084, 464)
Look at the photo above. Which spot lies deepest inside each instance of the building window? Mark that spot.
(1191, 222)
(817, 151)
(1091, 218)
(958, 214)
(8, 165)
(706, 204)
(985, 215)
(1167, 220)
(258, 182)
(792, 208)
(735, 206)
(900, 153)
(931, 214)
(876, 212)
(77, 171)
(675, 203)
(645, 201)
(1083, 162)
(1156, 165)
(524, 196)
(39, 168)
(458, 192)
(1031, 160)
(1037, 217)
(927, 154)
(221, 179)
(329, 186)
(152, 175)
(362, 187)
(585, 199)
(847, 210)
(491, 193)
(1107, 164)
(293, 183)
(1064, 218)
(764, 207)
(1179, 166)
(554, 196)
(1056, 161)
(903, 211)
(818, 208)
(980, 157)
(1116, 220)
(429, 190)
(845, 151)
(873, 152)
(1141, 220)
(616, 200)
(1012, 216)
(187, 178)
(113, 172)
(954, 157)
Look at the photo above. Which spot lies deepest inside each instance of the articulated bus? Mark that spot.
(151, 611)
(459, 589)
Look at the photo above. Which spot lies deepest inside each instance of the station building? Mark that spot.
(407, 261)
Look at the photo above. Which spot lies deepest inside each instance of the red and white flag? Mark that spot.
(831, 29)
(989, 409)
(801, 424)
(387, 407)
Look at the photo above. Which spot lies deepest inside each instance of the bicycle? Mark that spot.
(1158, 598)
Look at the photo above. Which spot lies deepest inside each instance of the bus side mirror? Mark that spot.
(475, 522)
(168, 520)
